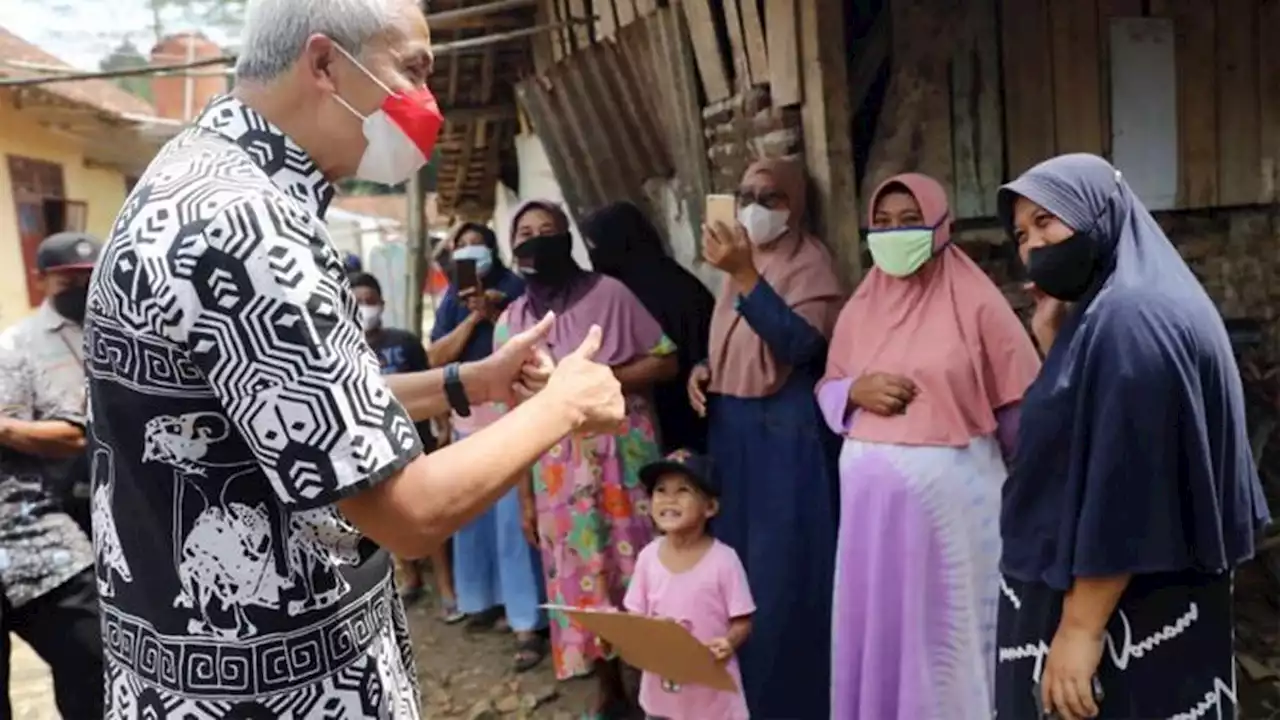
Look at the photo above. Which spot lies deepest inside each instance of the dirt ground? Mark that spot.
(467, 676)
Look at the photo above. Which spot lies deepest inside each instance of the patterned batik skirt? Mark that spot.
(1167, 652)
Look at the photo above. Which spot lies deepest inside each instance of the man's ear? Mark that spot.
(318, 55)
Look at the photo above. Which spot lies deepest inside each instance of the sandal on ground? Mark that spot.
(450, 614)
(483, 621)
(529, 652)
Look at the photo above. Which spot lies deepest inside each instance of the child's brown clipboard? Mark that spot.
(662, 647)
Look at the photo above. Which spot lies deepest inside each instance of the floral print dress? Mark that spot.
(593, 520)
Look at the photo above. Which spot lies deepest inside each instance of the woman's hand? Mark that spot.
(728, 249)
(1066, 686)
(1047, 317)
(883, 393)
(699, 377)
(486, 305)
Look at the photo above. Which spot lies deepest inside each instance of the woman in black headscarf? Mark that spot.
(1133, 495)
(626, 246)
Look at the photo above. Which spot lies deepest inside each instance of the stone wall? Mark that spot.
(1234, 252)
(743, 128)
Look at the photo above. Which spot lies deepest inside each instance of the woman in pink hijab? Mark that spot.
(776, 464)
(926, 370)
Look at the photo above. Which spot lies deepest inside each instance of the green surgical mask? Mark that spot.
(900, 252)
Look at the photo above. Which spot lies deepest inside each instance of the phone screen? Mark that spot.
(722, 209)
(465, 276)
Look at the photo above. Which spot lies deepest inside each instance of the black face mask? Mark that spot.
(547, 259)
(1065, 270)
(70, 303)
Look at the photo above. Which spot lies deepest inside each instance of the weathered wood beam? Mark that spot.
(457, 46)
(477, 133)
(465, 16)
(753, 39)
(976, 115)
(780, 23)
(459, 114)
(828, 120)
(870, 55)
(914, 129)
(706, 49)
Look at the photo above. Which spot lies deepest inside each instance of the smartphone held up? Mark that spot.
(722, 209)
(466, 277)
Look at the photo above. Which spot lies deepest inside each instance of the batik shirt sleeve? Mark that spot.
(270, 322)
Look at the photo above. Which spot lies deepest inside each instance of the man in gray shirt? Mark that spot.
(46, 559)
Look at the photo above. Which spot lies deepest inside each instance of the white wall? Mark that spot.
(538, 181)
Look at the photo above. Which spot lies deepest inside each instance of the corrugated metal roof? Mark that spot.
(621, 112)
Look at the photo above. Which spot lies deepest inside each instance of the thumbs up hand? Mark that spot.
(587, 389)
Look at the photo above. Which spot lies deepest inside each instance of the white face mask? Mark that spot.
(480, 253)
(390, 155)
(763, 225)
(370, 317)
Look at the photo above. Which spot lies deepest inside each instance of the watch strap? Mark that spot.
(453, 390)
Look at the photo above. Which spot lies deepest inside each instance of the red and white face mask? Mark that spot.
(400, 134)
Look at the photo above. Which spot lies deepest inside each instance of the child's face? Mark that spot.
(677, 505)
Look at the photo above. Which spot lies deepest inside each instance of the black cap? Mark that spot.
(67, 251)
(695, 467)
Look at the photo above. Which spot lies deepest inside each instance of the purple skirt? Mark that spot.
(917, 582)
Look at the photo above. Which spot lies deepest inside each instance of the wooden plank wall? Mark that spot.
(978, 140)
(763, 48)
(1055, 73)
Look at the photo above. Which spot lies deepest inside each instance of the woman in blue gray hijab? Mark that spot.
(1133, 494)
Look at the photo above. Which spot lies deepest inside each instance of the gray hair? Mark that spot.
(275, 31)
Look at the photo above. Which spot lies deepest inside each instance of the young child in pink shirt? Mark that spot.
(690, 577)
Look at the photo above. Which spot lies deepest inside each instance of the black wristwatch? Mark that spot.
(454, 391)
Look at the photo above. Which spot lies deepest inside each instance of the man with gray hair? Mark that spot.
(249, 461)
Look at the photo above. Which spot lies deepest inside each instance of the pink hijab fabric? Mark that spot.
(799, 268)
(947, 328)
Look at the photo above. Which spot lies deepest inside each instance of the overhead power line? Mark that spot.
(112, 74)
(440, 49)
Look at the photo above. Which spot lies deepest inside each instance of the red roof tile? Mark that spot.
(101, 94)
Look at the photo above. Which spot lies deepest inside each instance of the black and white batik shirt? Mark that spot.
(233, 400)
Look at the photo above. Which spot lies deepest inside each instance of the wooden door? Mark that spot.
(35, 183)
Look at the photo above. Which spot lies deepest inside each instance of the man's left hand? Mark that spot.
(516, 370)
(1067, 682)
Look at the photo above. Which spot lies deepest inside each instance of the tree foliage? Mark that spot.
(126, 56)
